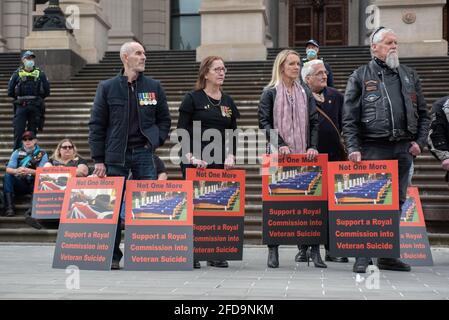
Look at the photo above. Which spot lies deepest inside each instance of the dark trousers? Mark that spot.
(392, 151)
(141, 164)
(13, 184)
(25, 118)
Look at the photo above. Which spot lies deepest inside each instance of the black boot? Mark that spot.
(218, 263)
(392, 264)
(9, 205)
(360, 265)
(196, 264)
(301, 256)
(32, 222)
(273, 257)
(328, 257)
(314, 253)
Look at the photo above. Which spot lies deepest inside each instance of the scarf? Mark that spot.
(290, 116)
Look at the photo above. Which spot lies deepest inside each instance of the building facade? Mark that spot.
(244, 28)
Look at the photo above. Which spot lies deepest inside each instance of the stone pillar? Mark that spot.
(16, 23)
(125, 17)
(92, 35)
(233, 29)
(2, 40)
(418, 24)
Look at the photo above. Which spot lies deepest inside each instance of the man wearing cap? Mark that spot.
(21, 169)
(312, 50)
(385, 117)
(29, 87)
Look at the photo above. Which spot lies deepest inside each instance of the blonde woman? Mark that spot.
(67, 155)
(289, 107)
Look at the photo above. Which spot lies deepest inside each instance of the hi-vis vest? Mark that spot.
(29, 83)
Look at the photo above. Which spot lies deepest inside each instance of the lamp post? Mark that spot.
(53, 18)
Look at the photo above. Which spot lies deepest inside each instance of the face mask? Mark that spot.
(29, 64)
(311, 54)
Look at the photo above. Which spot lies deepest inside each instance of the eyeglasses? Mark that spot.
(218, 70)
(27, 139)
(321, 74)
(67, 147)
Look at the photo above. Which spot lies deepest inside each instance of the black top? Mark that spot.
(329, 141)
(135, 136)
(71, 163)
(212, 114)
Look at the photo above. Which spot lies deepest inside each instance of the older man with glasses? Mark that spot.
(21, 169)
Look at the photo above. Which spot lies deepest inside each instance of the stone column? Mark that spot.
(233, 29)
(418, 24)
(92, 35)
(2, 40)
(125, 17)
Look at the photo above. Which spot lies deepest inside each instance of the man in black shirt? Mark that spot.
(129, 120)
(385, 117)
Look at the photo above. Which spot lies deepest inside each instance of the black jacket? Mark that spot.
(108, 125)
(439, 129)
(366, 107)
(265, 113)
(40, 89)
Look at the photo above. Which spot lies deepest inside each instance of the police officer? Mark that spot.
(312, 50)
(29, 87)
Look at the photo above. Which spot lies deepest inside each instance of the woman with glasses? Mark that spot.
(289, 107)
(207, 107)
(67, 155)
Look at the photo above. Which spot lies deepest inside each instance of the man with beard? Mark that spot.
(385, 118)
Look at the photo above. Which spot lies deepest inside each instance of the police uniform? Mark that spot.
(29, 89)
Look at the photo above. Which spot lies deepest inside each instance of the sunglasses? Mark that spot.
(67, 147)
(27, 139)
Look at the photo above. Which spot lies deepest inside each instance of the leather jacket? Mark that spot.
(265, 113)
(367, 111)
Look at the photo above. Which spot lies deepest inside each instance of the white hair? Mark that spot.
(378, 36)
(307, 68)
(127, 48)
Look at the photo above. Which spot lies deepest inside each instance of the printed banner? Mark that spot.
(364, 209)
(88, 223)
(49, 187)
(159, 225)
(219, 213)
(415, 248)
(294, 195)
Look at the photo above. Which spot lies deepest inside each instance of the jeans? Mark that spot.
(141, 164)
(13, 184)
(387, 150)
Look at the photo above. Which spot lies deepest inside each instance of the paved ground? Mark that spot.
(26, 273)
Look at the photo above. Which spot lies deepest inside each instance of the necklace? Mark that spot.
(213, 104)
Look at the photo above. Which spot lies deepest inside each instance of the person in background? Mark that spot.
(21, 170)
(66, 155)
(29, 87)
(312, 50)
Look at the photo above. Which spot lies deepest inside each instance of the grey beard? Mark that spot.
(392, 61)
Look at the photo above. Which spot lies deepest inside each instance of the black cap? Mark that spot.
(313, 42)
(28, 134)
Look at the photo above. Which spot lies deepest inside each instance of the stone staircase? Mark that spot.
(68, 110)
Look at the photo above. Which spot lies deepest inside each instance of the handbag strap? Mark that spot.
(331, 122)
